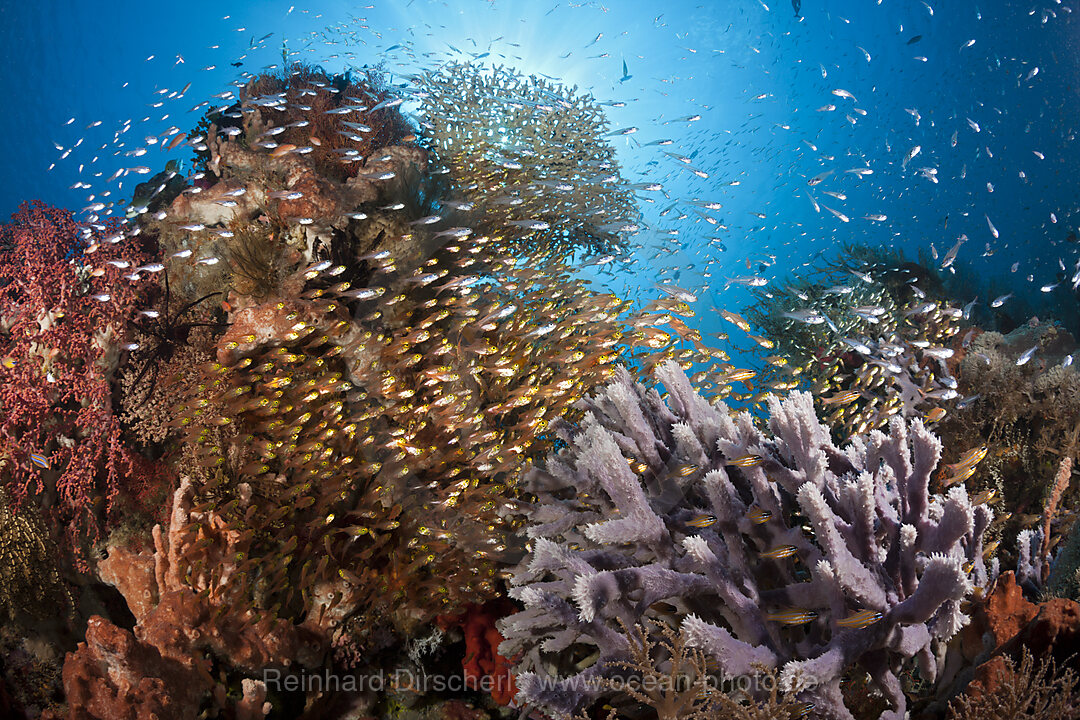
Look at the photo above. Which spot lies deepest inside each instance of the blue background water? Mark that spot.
(755, 73)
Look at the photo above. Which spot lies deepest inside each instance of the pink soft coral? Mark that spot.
(64, 309)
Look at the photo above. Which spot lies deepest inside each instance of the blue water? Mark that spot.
(754, 73)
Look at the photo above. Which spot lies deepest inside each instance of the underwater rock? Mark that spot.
(208, 208)
(269, 324)
(281, 206)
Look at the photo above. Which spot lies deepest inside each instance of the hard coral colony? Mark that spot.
(340, 403)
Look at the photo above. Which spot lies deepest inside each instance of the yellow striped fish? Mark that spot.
(701, 520)
(759, 516)
(792, 616)
(860, 619)
(684, 470)
(969, 459)
(746, 461)
(958, 477)
(843, 398)
(740, 375)
(40, 460)
(779, 553)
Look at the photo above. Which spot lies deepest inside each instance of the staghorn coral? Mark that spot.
(642, 516)
(531, 154)
(862, 330)
(67, 297)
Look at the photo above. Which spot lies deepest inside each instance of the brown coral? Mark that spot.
(114, 676)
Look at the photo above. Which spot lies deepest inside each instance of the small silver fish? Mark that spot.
(746, 281)
(1026, 357)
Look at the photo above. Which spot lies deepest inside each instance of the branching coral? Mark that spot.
(677, 510)
(668, 675)
(1033, 689)
(531, 154)
(67, 295)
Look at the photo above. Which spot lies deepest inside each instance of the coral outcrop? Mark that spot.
(183, 631)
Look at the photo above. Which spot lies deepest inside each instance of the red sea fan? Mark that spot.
(65, 303)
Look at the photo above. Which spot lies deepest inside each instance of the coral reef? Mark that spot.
(300, 164)
(677, 511)
(347, 369)
(290, 418)
(386, 445)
